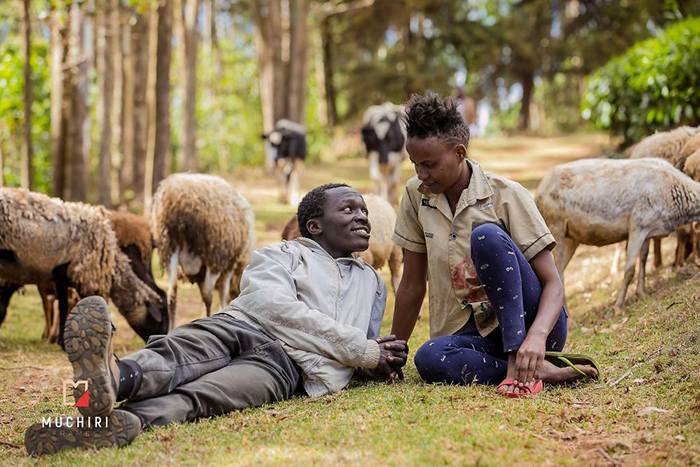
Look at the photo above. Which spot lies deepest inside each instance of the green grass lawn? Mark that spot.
(646, 410)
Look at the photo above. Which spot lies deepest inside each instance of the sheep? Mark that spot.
(675, 146)
(381, 249)
(601, 202)
(45, 240)
(134, 239)
(285, 153)
(384, 138)
(203, 225)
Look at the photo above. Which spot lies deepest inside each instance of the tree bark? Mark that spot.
(297, 64)
(269, 49)
(105, 78)
(328, 72)
(140, 44)
(157, 162)
(26, 158)
(126, 169)
(187, 20)
(81, 57)
(117, 101)
(58, 50)
(528, 84)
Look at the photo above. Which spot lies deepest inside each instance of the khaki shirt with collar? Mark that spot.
(425, 224)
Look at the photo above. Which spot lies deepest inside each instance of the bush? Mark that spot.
(654, 86)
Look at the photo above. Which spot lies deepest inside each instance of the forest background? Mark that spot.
(124, 92)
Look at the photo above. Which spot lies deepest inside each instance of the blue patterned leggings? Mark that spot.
(514, 292)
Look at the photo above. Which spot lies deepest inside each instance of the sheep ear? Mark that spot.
(154, 312)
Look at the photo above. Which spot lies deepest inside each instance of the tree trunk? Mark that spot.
(117, 101)
(297, 61)
(26, 164)
(187, 20)
(2, 165)
(105, 78)
(269, 49)
(328, 73)
(126, 169)
(81, 57)
(140, 45)
(58, 46)
(528, 84)
(157, 162)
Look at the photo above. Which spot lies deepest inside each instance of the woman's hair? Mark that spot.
(429, 116)
(311, 205)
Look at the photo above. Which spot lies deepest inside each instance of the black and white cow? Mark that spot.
(285, 153)
(384, 137)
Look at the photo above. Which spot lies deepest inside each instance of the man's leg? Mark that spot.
(261, 376)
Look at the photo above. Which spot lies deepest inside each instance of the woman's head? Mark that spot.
(437, 143)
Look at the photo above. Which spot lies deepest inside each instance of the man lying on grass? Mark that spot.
(308, 315)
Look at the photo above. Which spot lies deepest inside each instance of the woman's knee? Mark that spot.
(429, 359)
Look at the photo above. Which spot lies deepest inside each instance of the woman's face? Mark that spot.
(439, 167)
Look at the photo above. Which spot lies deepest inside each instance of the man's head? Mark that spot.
(335, 216)
(437, 142)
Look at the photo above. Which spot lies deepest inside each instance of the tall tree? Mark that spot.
(58, 51)
(158, 158)
(282, 47)
(106, 35)
(140, 50)
(187, 24)
(27, 181)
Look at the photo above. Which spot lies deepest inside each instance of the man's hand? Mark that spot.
(393, 355)
(529, 360)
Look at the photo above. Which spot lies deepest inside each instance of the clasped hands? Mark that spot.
(393, 355)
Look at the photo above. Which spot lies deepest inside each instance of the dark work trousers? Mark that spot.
(209, 367)
(514, 292)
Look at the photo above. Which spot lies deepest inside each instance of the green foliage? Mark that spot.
(654, 86)
(12, 110)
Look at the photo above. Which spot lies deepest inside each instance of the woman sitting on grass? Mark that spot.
(495, 295)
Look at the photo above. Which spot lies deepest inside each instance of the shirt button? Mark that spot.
(465, 303)
(453, 235)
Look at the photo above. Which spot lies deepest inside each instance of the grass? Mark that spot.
(646, 411)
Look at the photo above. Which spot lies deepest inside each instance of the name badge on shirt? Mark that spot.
(425, 202)
(486, 205)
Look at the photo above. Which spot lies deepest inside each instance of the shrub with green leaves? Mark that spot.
(655, 86)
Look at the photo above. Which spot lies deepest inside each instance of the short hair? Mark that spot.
(429, 115)
(311, 205)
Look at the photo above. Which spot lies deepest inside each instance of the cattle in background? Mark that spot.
(384, 137)
(285, 154)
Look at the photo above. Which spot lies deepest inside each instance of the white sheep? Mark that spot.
(382, 250)
(600, 202)
(203, 225)
(47, 241)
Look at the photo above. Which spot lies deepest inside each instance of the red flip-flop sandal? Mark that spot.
(526, 391)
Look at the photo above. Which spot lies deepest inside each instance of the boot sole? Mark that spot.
(51, 439)
(88, 337)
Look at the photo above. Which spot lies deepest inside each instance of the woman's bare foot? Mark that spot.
(552, 374)
(549, 373)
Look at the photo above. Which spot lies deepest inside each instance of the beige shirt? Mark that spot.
(425, 224)
(326, 312)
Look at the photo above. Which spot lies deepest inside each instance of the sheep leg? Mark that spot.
(206, 288)
(658, 260)
(62, 295)
(53, 333)
(395, 178)
(225, 289)
(616, 259)
(172, 289)
(395, 259)
(634, 245)
(47, 305)
(6, 291)
(374, 173)
(694, 242)
(681, 241)
(297, 167)
(643, 254)
(384, 182)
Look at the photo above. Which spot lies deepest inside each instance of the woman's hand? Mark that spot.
(529, 359)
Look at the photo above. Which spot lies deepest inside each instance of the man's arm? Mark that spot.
(410, 295)
(268, 296)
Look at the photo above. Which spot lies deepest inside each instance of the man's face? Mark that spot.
(344, 227)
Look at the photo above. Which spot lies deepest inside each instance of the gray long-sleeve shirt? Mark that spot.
(326, 312)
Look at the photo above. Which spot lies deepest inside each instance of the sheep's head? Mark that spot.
(138, 298)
